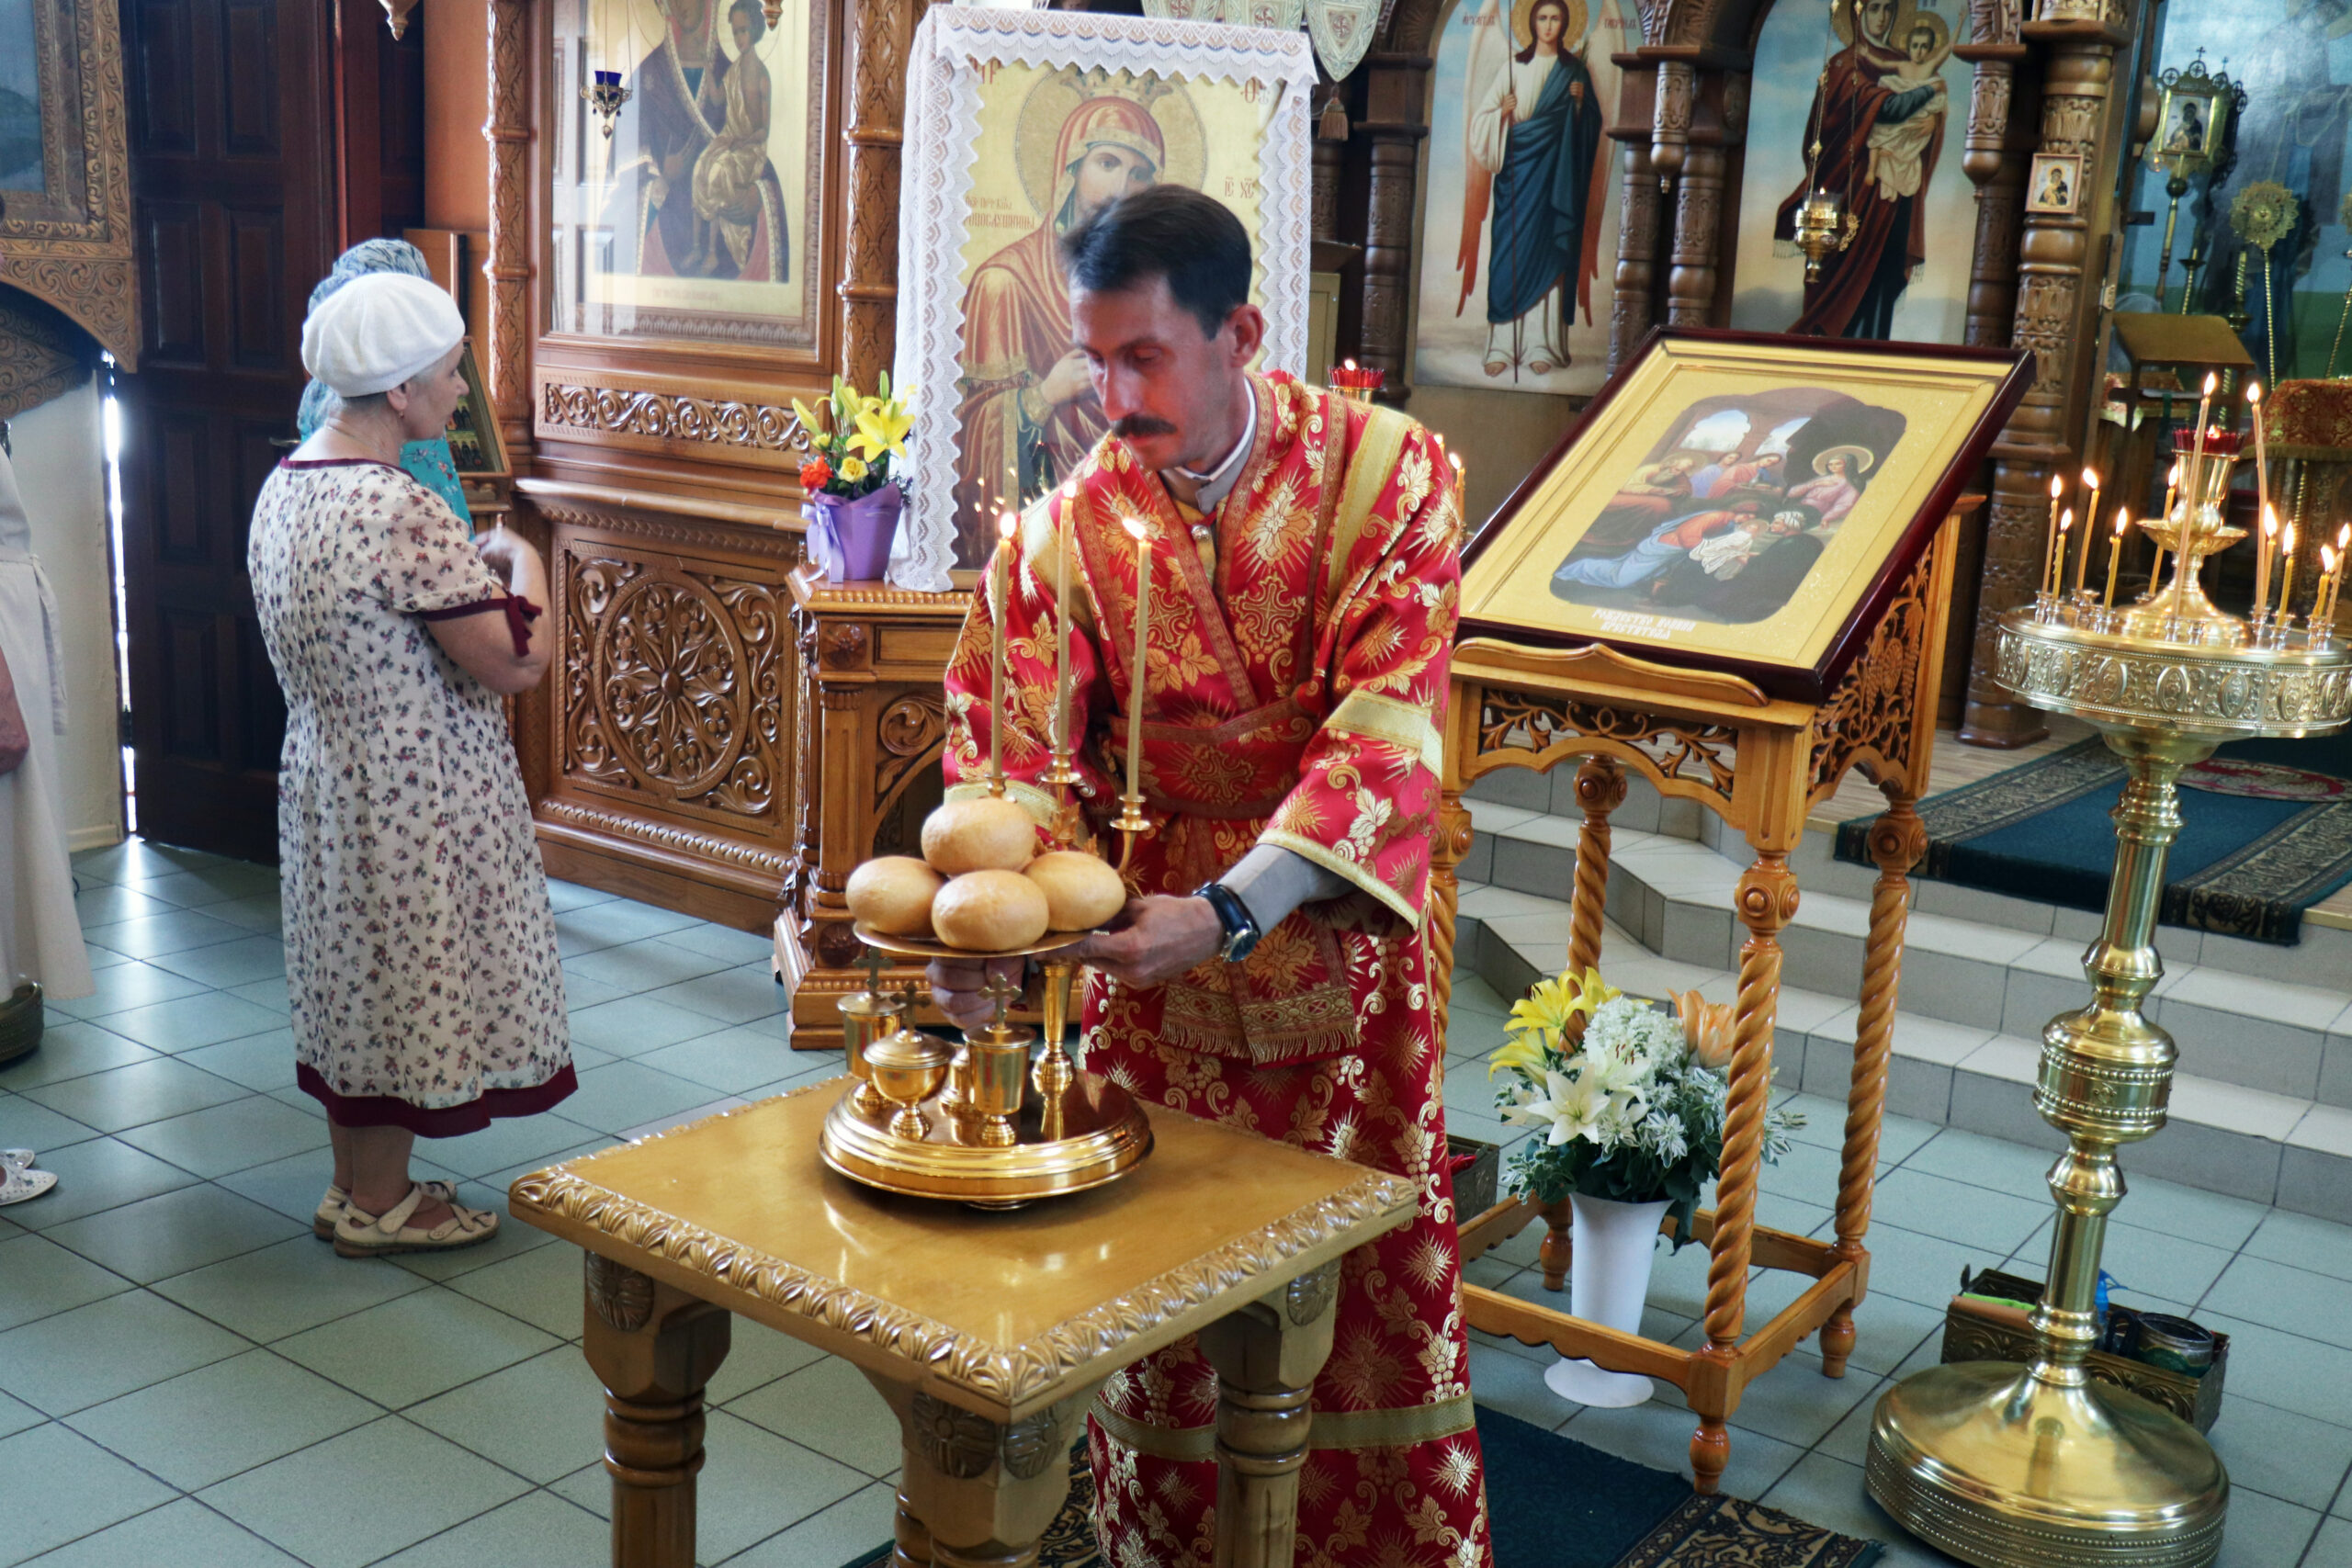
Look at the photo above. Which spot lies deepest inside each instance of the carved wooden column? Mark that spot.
(508, 269)
(2000, 141)
(1634, 299)
(1698, 239)
(879, 34)
(1670, 112)
(1267, 1356)
(2055, 315)
(1396, 87)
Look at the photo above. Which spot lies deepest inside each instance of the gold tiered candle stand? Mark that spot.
(2004, 1465)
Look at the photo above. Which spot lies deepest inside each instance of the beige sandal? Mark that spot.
(332, 1206)
(361, 1235)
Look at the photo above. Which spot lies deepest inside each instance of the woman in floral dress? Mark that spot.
(420, 947)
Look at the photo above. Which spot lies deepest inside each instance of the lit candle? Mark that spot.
(2286, 572)
(2262, 557)
(2172, 488)
(1141, 531)
(2191, 525)
(2058, 557)
(1062, 526)
(2323, 602)
(2335, 578)
(2090, 524)
(2050, 566)
(1000, 595)
(2261, 447)
(2115, 550)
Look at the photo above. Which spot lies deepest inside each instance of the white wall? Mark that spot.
(60, 459)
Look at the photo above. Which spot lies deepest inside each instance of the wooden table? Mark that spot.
(986, 1333)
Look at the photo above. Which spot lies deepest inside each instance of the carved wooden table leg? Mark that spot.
(977, 1494)
(1897, 840)
(1446, 896)
(1267, 1357)
(1601, 790)
(653, 1348)
(1766, 901)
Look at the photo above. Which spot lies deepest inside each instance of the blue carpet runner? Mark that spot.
(2266, 833)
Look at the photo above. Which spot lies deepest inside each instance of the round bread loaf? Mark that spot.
(985, 834)
(893, 895)
(989, 911)
(1081, 892)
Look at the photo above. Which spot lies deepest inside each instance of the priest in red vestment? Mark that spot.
(1029, 411)
(1302, 552)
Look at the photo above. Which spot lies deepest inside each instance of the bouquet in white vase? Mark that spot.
(1632, 1110)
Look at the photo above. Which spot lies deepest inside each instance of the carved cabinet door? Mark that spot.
(233, 201)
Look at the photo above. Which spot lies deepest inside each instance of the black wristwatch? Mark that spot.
(1241, 933)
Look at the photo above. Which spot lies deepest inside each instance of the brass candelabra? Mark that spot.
(2006, 1464)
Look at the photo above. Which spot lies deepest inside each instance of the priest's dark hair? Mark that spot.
(1164, 231)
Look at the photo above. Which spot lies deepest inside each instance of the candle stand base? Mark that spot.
(2035, 1465)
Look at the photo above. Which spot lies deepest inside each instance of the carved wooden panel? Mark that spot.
(670, 723)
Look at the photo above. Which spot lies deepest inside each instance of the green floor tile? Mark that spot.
(133, 1096)
(174, 1232)
(2263, 1532)
(2268, 1365)
(101, 1174)
(39, 1277)
(15, 1416)
(540, 1530)
(185, 1534)
(2291, 1457)
(212, 1423)
(724, 942)
(736, 996)
(196, 1021)
(757, 1356)
(297, 1284)
(731, 1061)
(262, 1061)
(2283, 1297)
(27, 1123)
(1829, 1493)
(614, 1098)
(542, 1418)
(123, 987)
(830, 1409)
(509, 1141)
(635, 1024)
(415, 1348)
(228, 1137)
(859, 1522)
(641, 966)
(2305, 1242)
(70, 1049)
(158, 934)
(753, 1483)
(56, 1486)
(224, 965)
(74, 1359)
(293, 1186)
(307, 1503)
(542, 1287)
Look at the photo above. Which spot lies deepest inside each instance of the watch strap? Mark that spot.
(1242, 932)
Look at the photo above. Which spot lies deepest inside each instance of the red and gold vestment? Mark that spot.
(1293, 694)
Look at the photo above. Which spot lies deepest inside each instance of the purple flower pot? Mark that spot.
(851, 540)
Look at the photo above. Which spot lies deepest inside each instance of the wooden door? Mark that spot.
(233, 193)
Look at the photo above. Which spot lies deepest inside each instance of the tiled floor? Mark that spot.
(186, 1376)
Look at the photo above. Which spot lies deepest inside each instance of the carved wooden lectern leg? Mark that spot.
(1267, 1357)
(653, 1348)
(1897, 840)
(1601, 790)
(977, 1494)
(1766, 901)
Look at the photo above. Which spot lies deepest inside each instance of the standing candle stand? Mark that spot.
(2007, 1464)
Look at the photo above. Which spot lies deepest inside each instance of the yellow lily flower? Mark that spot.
(881, 429)
(810, 424)
(1521, 1053)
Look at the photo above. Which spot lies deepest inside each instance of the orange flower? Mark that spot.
(815, 474)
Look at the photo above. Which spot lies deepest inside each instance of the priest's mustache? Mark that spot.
(1136, 425)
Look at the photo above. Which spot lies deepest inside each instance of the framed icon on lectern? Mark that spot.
(1741, 501)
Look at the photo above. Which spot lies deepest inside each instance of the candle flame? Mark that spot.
(2172, 476)
(1136, 529)
(2211, 382)
(2343, 535)
(1456, 457)
(2269, 522)
(1005, 524)
(2057, 487)
(2286, 540)
(2090, 477)
(2327, 558)
(2253, 391)
(2122, 519)
(2065, 519)
(1348, 365)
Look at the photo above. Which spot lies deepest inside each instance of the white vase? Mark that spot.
(1608, 1279)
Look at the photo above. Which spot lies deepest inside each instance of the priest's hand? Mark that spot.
(1155, 940)
(958, 986)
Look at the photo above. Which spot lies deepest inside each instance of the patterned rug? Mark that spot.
(1554, 1503)
(2266, 833)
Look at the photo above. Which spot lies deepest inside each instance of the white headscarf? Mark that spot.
(379, 330)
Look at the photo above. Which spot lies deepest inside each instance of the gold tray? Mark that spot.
(1099, 1133)
(929, 947)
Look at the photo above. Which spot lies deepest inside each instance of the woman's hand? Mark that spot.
(504, 551)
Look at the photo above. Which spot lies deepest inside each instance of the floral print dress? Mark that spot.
(420, 947)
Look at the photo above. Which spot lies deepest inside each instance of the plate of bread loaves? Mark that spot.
(981, 890)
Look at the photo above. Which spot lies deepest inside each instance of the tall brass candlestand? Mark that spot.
(2006, 1465)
